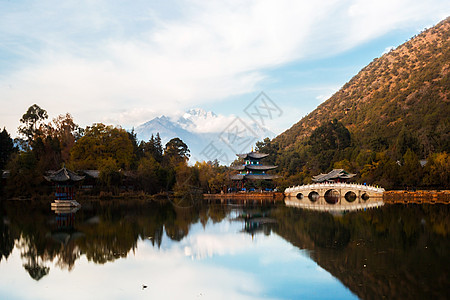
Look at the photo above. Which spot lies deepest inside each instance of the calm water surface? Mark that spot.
(134, 250)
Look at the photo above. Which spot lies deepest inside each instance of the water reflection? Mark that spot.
(332, 202)
(391, 252)
(394, 251)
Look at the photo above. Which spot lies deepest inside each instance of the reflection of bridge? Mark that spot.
(323, 206)
(334, 196)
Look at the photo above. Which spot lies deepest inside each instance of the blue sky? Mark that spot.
(124, 63)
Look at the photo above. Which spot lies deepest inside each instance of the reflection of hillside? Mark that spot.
(394, 252)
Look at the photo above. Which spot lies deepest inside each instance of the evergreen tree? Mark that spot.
(6, 148)
(158, 148)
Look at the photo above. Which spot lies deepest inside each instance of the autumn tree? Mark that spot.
(437, 171)
(67, 132)
(101, 143)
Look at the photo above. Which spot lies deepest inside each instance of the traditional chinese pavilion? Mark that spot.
(252, 168)
(336, 175)
(64, 181)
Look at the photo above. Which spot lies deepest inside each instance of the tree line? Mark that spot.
(123, 162)
(128, 165)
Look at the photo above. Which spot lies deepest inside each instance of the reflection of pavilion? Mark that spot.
(255, 222)
(65, 225)
(65, 234)
(65, 217)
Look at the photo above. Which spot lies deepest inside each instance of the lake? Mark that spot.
(213, 250)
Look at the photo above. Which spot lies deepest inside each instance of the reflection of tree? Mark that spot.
(392, 252)
(102, 231)
(112, 238)
(177, 227)
(34, 262)
(6, 240)
(218, 212)
(67, 252)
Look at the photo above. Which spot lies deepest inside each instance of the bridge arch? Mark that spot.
(365, 196)
(313, 196)
(350, 196)
(299, 196)
(332, 196)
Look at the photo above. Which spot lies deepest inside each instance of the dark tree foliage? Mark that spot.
(176, 150)
(6, 148)
(407, 140)
(269, 147)
(330, 136)
(136, 150)
(153, 147)
(6, 240)
(158, 148)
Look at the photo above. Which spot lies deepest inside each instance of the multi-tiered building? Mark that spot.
(252, 168)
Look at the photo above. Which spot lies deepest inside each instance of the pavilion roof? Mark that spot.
(91, 173)
(253, 176)
(63, 175)
(254, 155)
(334, 174)
(254, 167)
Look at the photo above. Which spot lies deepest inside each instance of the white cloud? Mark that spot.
(326, 93)
(388, 49)
(125, 62)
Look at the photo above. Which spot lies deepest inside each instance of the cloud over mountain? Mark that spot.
(201, 129)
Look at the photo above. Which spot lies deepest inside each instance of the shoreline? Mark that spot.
(417, 197)
(277, 196)
(389, 197)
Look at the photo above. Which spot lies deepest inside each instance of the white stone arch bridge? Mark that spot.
(334, 196)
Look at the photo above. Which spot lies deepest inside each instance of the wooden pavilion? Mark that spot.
(252, 169)
(64, 181)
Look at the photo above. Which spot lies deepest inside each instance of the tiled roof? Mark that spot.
(335, 173)
(255, 155)
(63, 175)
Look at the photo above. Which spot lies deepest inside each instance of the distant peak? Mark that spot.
(199, 113)
(163, 118)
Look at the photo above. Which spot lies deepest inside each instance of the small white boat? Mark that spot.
(65, 203)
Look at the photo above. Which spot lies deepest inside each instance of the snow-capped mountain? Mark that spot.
(209, 136)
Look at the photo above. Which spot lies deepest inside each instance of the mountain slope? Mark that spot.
(407, 89)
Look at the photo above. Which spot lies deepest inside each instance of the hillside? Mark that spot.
(389, 116)
(407, 88)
